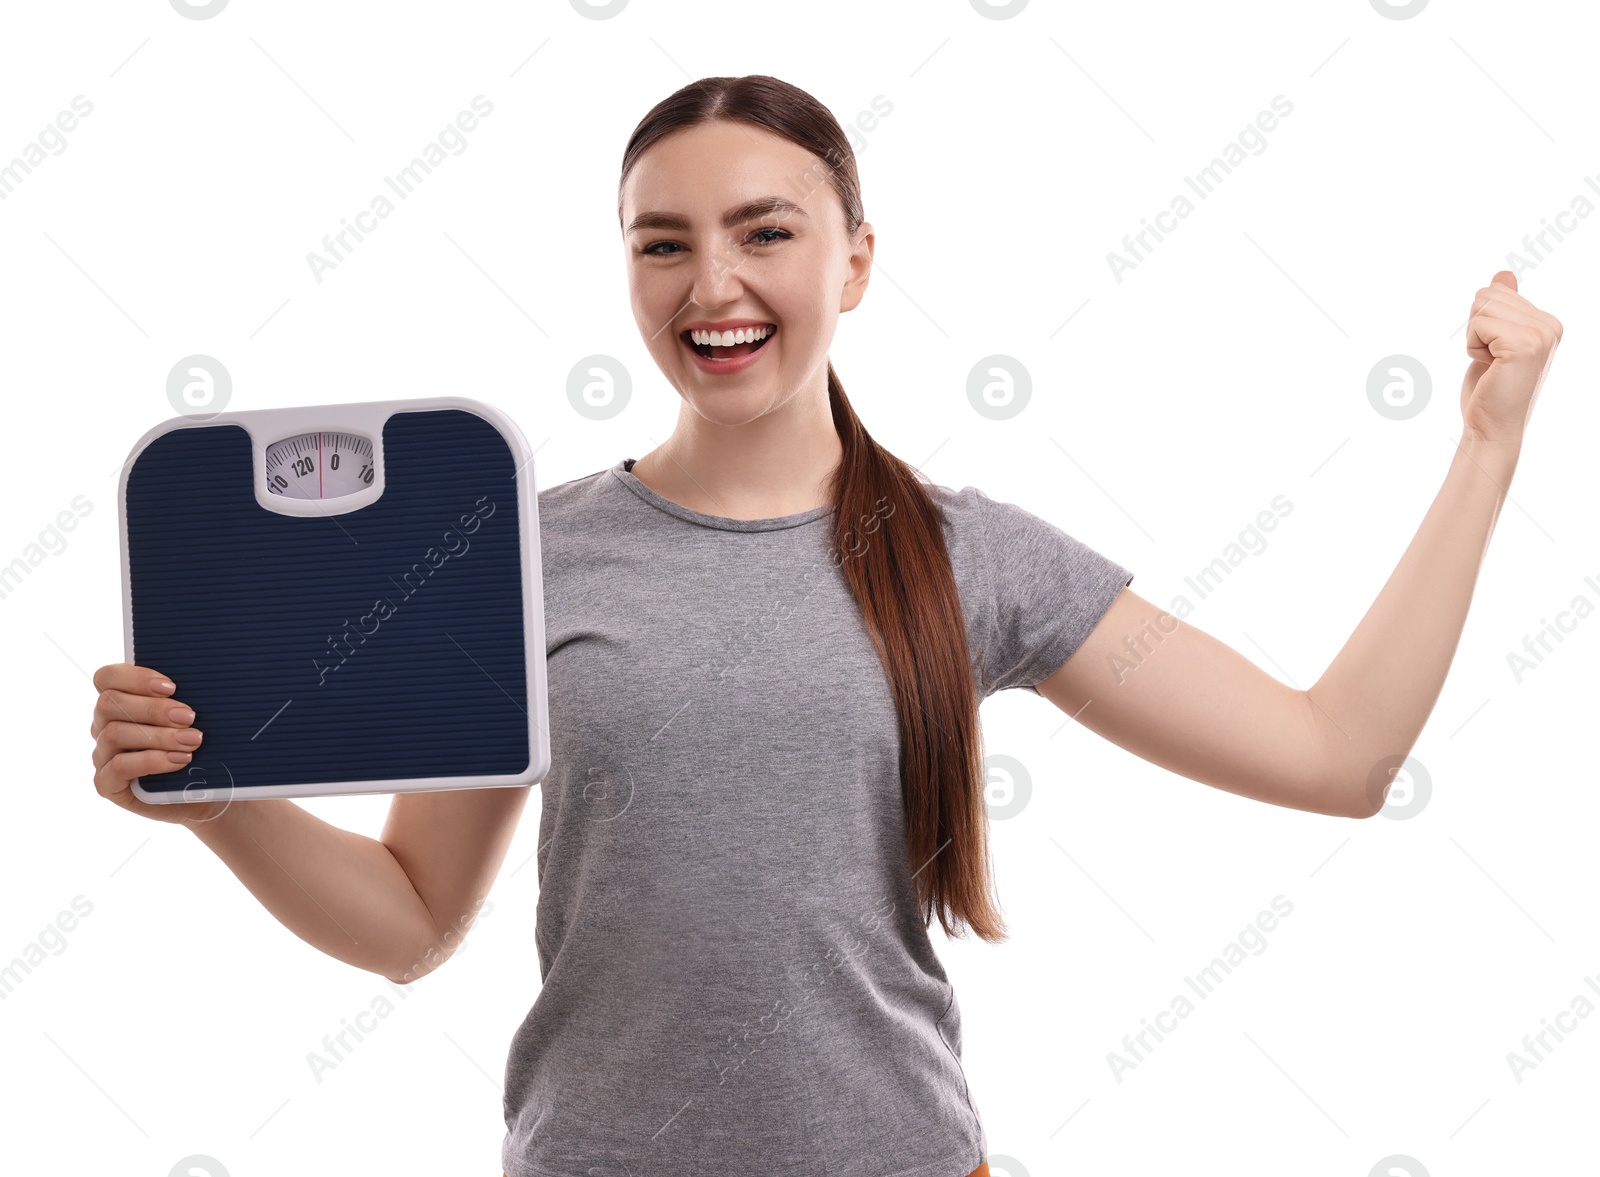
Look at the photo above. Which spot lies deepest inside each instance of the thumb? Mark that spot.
(1504, 278)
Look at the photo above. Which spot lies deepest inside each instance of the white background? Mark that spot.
(1230, 367)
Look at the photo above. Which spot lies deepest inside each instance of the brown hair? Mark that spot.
(900, 574)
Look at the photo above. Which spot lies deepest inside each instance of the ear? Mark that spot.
(860, 269)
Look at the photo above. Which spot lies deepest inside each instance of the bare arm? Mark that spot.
(451, 846)
(1197, 707)
(398, 906)
(339, 891)
(1176, 696)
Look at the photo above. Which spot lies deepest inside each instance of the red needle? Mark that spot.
(319, 465)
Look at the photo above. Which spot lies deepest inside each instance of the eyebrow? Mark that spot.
(749, 211)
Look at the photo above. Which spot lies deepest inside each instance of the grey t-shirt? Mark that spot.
(735, 979)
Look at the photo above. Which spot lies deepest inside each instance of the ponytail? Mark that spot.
(889, 542)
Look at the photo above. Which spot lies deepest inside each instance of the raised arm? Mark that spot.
(1175, 696)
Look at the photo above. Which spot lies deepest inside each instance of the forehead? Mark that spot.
(704, 170)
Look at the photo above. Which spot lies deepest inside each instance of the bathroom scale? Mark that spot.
(348, 596)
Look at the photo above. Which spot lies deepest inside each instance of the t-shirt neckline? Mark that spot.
(722, 522)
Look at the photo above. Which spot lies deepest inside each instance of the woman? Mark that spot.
(767, 641)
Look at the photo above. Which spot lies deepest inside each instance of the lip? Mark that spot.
(725, 367)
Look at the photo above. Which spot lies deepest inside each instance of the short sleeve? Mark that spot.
(1046, 592)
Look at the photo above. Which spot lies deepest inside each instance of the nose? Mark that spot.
(717, 280)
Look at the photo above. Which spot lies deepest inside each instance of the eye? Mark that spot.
(659, 248)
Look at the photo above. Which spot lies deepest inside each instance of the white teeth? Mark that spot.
(729, 338)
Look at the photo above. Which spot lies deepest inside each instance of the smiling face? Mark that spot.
(739, 264)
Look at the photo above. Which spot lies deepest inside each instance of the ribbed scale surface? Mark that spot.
(237, 605)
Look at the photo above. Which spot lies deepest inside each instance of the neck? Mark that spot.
(775, 465)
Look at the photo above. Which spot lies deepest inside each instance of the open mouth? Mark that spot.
(716, 351)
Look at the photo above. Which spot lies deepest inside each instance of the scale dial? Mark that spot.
(319, 465)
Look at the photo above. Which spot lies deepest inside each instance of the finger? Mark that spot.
(1490, 337)
(1524, 320)
(1482, 331)
(1504, 278)
(138, 680)
(1516, 307)
(114, 706)
(116, 738)
(116, 775)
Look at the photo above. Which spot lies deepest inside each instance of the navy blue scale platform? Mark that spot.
(396, 646)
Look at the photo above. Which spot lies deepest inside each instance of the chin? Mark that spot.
(730, 408)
